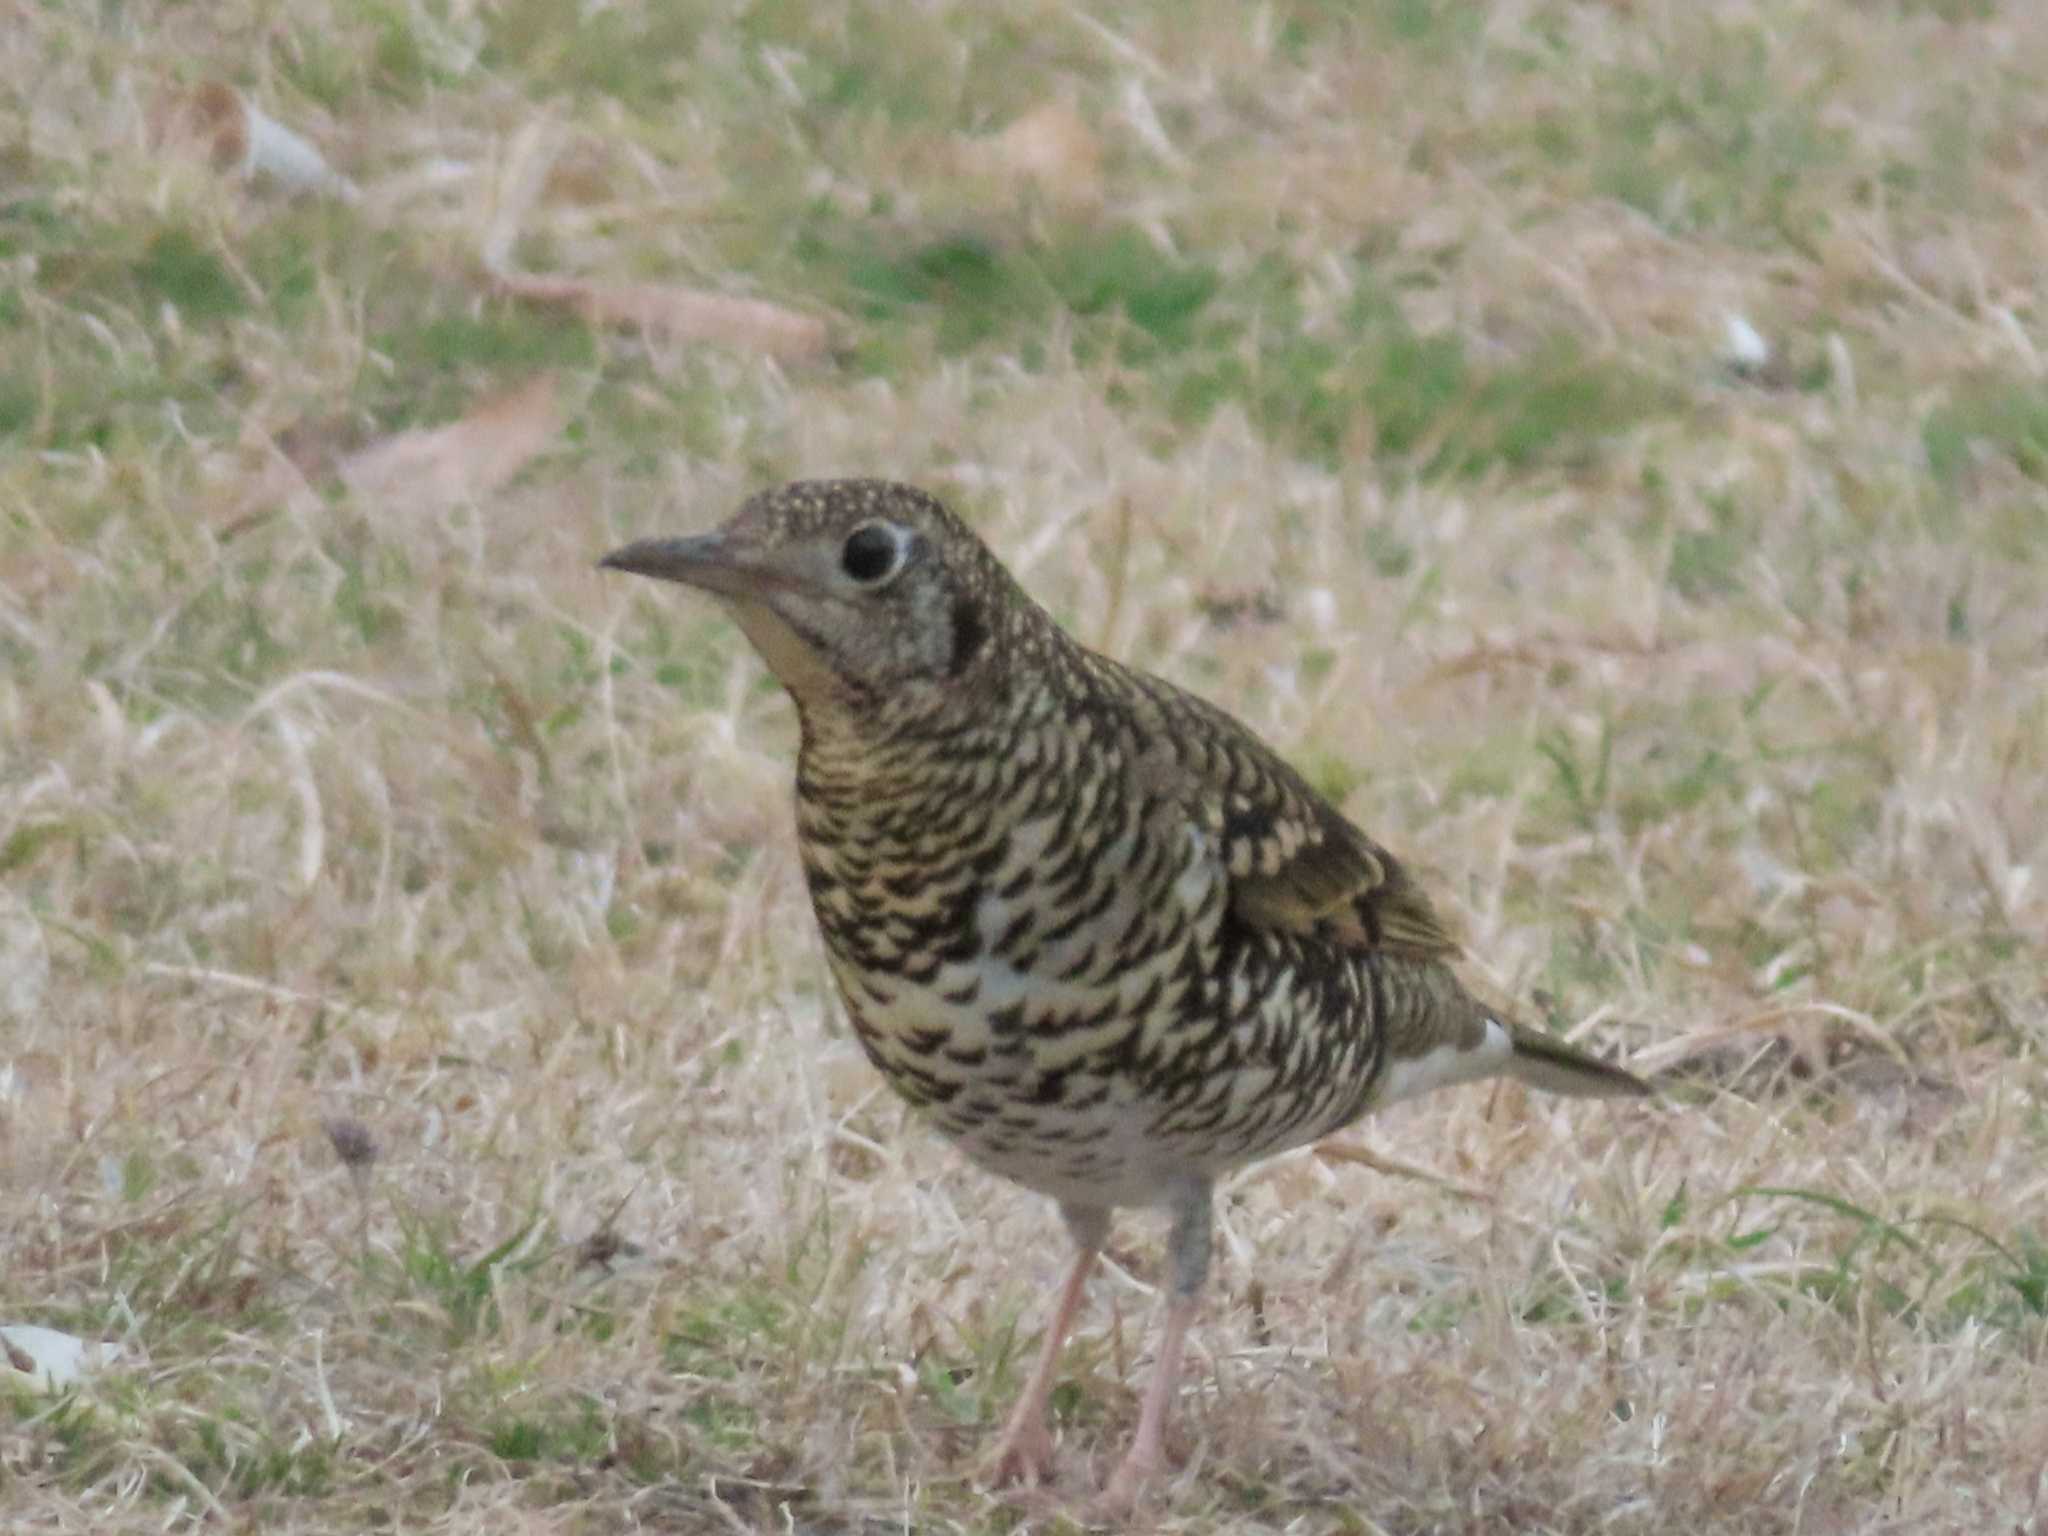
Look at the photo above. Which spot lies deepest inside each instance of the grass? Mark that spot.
(413, 1047)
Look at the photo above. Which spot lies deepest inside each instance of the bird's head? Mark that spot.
(860, 595)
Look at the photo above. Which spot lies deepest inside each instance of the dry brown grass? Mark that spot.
(413, 1044)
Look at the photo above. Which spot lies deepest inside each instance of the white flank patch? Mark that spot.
(1198, 874)
(1440, 1068)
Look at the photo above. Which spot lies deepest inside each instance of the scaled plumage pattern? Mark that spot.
(1111, 943)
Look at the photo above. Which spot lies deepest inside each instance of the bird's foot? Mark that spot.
(1126, 1485)
(1022, 1456)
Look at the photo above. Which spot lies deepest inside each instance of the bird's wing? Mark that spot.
(1293, 861)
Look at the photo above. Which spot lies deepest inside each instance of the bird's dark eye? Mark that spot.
(870, 553)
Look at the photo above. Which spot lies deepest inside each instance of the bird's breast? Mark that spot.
(1011, 987)
(1055, 975)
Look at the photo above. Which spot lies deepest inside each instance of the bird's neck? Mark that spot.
(859, 755)
(877, 773)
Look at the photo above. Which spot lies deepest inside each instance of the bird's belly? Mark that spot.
(1109, 1093)
(1029, 1078)
(1101, 1038)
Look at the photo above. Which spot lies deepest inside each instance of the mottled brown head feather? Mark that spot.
(866, 598)
(887, 617)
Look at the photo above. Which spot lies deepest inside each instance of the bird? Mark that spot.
(1106, 939)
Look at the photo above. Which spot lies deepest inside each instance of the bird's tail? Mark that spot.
(1544, 1061)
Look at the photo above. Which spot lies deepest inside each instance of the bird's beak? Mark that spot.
(710, 561)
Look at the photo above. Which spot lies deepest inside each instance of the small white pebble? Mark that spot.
(44, 1360)
(1742, 344)
(289, 160)
(1320, 607)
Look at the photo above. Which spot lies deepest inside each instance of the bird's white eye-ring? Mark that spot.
(872, 553)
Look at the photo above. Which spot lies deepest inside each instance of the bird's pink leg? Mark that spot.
(1188, 1249)
(1024, 1454)
(1147, 1454)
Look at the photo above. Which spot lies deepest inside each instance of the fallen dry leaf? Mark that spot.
(210, 120)
(1050, 147)
(429, 469)
(255, 476)
(237, 136)
(683, 313)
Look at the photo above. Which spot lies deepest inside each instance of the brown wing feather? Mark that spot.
(1293, 860)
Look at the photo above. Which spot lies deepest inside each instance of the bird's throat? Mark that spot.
(795, 661)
